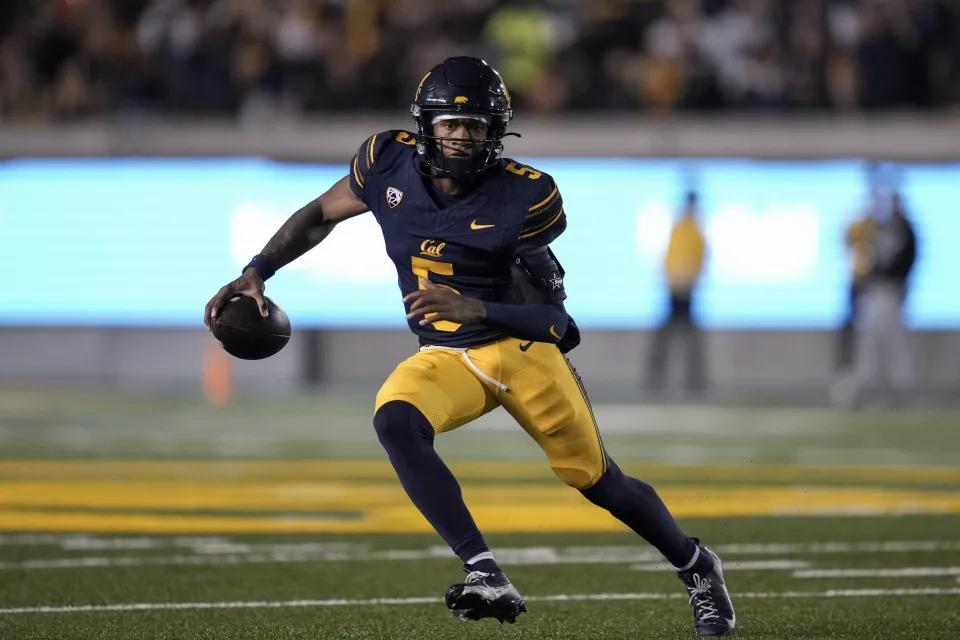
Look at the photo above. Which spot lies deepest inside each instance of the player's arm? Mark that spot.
(544, 320)
(310, 225)
(302, 231)
(306, 228)
(542, 317)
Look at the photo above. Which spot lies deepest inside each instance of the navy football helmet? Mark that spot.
(468, 87)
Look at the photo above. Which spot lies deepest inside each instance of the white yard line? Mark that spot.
(898, 572)
(223, 551)
(342, 602)
(87, 541)
(31, 539)
(889, 546)
(226, 545)
(283, 558)
(775, 564)
(144, 561)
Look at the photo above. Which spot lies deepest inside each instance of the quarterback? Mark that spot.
(469, 232)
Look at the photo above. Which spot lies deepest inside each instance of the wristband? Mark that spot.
(262, 264)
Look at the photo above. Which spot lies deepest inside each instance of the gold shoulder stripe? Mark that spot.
(544, 201)
(547, 210)
(545, 216)
(356, 174)
(543, 228)
(373, 141)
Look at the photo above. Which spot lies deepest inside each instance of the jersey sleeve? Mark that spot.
(362, 163)
(545, 219)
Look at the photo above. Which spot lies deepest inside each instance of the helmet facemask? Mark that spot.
(461, 87)
(483, 153)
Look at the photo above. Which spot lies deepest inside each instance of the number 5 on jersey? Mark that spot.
(422, 268)
(533, 174)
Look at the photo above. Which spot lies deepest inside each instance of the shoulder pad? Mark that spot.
(545, 219)
(373, 149)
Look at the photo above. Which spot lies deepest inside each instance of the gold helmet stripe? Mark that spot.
(422, 80)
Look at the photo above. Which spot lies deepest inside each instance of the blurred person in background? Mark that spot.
(523, 36)
(882, 357)
(682, 267)
(859, 240)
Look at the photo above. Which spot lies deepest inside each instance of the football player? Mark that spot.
(469, 232)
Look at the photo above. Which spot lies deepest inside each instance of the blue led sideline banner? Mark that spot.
(147, 242)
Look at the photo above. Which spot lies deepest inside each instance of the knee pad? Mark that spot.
(573, 477)
(399, 421)
(608, 489)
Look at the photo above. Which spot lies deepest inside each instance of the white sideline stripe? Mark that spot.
(155, 606)
(92, 562)
(222, 551)
(342, 602)
(890, 546)
(733, 565)
(144, 561)
(899, 572)
(31, 539)
(220, 544)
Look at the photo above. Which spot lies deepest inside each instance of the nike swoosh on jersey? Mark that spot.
(524, 347)
(553, 332)
(476, 227)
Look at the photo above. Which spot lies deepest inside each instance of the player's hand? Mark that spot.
(250, 284)
(446, 304)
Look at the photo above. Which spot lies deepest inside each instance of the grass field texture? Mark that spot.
(144, 517)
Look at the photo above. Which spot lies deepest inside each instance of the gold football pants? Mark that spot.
(537, 386)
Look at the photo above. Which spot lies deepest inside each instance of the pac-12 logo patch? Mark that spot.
(394, 196)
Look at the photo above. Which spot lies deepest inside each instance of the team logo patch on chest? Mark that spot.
(394, 196)
(432, 248)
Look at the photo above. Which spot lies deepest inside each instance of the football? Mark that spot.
(245, 334)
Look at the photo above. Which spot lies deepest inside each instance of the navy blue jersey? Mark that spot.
(466, 243)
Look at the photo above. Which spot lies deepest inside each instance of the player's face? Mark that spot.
(464, 136)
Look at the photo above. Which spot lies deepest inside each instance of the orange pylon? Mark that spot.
(217, 375)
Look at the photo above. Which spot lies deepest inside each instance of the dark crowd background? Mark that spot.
(68, 59)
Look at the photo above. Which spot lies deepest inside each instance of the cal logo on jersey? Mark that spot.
(394, 196)
(432, 248)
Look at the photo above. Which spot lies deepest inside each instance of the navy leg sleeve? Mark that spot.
(637, 505)
(407, 436)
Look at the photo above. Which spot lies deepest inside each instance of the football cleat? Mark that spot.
(485, 595)
(713, 613)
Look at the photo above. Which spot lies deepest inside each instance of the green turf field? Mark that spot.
(139, 517)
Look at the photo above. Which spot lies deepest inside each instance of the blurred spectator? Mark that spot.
(524, 37)
(882, 357)
(859, 239)
(77, 58)
(683, 265)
